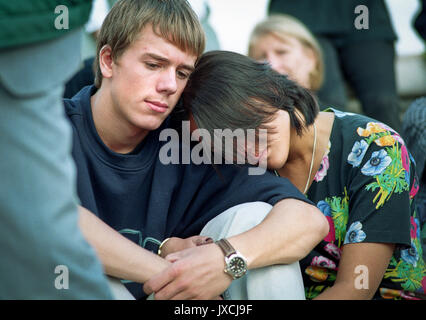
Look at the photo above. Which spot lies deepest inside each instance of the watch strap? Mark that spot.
(226, 247)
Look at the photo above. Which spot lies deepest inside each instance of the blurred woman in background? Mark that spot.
(290, 48)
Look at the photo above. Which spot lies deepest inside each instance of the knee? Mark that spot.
(237, 219)
(255, 210)
(250, 215)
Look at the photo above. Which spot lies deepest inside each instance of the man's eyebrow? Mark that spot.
(165, 60)
(156, 57)
(188, 67)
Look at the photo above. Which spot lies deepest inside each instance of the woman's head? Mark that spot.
(231, 91)
(290, 48)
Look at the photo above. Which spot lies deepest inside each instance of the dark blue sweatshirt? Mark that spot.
(147, 201)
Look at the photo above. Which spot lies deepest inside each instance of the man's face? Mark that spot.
(147, 80)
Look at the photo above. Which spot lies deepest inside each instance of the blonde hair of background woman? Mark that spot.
(281, 25)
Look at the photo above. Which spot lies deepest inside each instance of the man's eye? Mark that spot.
(152, 66)
(182, 75)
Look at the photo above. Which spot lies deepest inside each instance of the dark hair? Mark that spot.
(230, 91)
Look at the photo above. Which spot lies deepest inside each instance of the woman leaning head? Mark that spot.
(229, 90)
(357, 170)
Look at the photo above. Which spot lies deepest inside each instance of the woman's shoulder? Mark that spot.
(355, 127)
(349, 118)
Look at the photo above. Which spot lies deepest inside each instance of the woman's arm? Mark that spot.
(361, 269)
(287, 234)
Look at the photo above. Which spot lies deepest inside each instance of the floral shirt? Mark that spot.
(365, 187)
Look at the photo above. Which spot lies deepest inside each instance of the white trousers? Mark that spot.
(278, 282)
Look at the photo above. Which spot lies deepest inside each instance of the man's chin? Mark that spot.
(152, 125)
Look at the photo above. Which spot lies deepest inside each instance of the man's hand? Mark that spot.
(175, 244)
(196, 273)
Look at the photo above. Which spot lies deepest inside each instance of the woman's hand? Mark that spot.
(195, 273)
(175, 244)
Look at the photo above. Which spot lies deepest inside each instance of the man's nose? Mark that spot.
(167, 82)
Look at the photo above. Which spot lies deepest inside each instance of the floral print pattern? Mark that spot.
(323, 262)
(390, 165)
(377, 164)
(355, 233)
(410, 269)
(339, 214)
(358, 152)
(410, 255)
(414, 188)
(322, 172)
(356, 191)
(333, 250)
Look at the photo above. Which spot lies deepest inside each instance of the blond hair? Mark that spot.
(281, 25)
(173, 20)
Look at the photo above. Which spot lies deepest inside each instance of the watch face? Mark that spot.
(237, 267)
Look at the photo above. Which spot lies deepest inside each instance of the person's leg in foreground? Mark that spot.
(332, 92)
(44, 255)
(370, 69)
(279, 282)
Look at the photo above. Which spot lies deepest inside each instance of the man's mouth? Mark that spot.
(157, 106)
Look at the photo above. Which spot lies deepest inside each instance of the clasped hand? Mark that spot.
(196, 271)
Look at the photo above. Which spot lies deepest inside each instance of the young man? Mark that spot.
(146, 52)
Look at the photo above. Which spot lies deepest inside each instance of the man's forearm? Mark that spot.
(287, 234)
(120, 257)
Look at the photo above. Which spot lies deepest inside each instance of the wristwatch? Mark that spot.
(235, 263)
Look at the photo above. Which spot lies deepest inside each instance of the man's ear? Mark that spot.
(106, 61)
